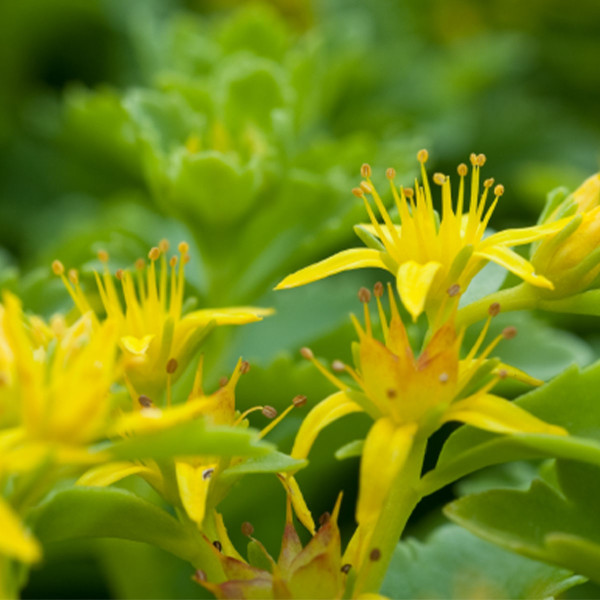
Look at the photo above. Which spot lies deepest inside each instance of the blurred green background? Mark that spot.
(240, 127)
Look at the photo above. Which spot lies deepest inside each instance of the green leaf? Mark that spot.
(274, 462)
(350, 450)
(115, 513)
(569, 400)
(452, 563)
(558, 526)
(192, 438)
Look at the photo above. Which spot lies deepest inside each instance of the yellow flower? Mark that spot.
(157, 338)
(15, 541)
(427, 254)
(60, 391)
(571, 257)
(410, 396)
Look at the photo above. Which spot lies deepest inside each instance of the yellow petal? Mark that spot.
(15, 540)
(517, 237)
(517, 374)
(193, 482)
(137, 346)
(493, 413)
(105, 475)
(414, 281)
(327, 411)
(298, 502)
(386, 449)
(355, 258)
(516, 264)
(223, 536)
(234, 315)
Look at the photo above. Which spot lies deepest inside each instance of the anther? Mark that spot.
(154, 253)
(338, 365)
(173, 261)
(494, 309)
(145, 401)
(365, 170)
(247, 529)
(207, 473)
(346, 568)
(509, 332)
(217, 545)
(375, 554)
(488, 183)
(409, 192)
(57, 267)
(324, 518)
(390, 173)
(140, 264)
(443, 378)
(439, 178)
(462, 169)
(73, 276)
(103, 256)
(199, 575)
(503, 373)
(269, 411)
(499, 190)
(244, 367)
(223, 381)
(163, 245)
(183, 247)
(453, 290)
(481, 158)
(119, 274)
(422, 156)
(364, 295)
(366, 188)
(391, 393)
(378, 289)
(306, 353)
(299, 400)
(473, 159)
(172, 366)
(358, 192)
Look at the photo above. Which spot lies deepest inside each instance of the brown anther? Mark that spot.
(346, 568)
(269, 411)
(185, 259)
(119, 274)
(183, 247)
(494, 309)
(509, 333)
(338, 365)
(503, 373)
(103, 256)
(154, 253)
(390, 173)
(409, 192)
(358, 192)
(306, 353)
(57, 267)
(439, 178)
(173, 261)
(299, 400)
(244, 367)
(247, 529)
(422, 156)
(217, 545)
(207, 473)
(199, 575)
(365, 170)
(140, 264)
(378, 289)
(462, 169)
(172, 366)
(375, 554)
(163, 246)
(145, 401)
(453, 290)
(391, 393)
(324, 518)
(73, 276)
(366, 188)
(499, 190)
(223, 381)
(364, 295)
(488, 183)
(444, 377)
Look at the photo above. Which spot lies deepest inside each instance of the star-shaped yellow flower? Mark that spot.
(428, 254)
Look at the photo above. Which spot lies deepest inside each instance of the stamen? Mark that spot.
(364, 295)
(494, 309)
(199, 575)
(307, 353)
(453, 290)
(103, 256)
(499, 190)
(145, 402)
(164, 245)
(365, 170)
(269, 411)
(509, 333)
(247, 529)
(217, 545)
(172, 366)
(444, 377)
(140, 264)
(73, 276)
(366, 188)
(119, 274)
(299, 400)
(183, 247)
(390, 173)
(207, 473)
(154, 253)
(223, 381)
(375, 554)
(439, 178)
(346, 568)
(422, 156)
(324, 518)
(244, 367)
(57, 267)
(338, 365)
(391, 393)
(358, 192)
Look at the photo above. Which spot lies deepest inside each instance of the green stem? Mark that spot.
(401, 502)
(520, 297)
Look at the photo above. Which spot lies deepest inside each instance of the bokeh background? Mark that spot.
(240, 127)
